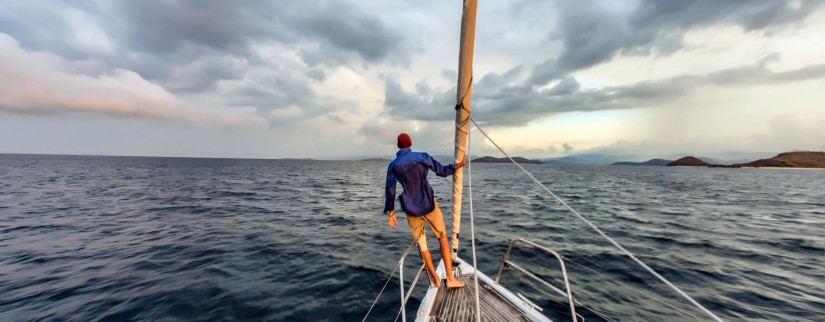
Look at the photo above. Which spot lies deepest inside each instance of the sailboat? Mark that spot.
(484, 298)
(484, 295)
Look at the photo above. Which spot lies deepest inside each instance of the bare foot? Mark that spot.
(454, 283)
(437, 283)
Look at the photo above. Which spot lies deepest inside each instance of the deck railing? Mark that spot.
(406, 296)
(506, 262)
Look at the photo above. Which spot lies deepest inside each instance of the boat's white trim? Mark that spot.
(423, 314)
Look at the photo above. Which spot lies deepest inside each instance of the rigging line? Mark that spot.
(597, 273)
(600, 232)
(460, 104)
(579, 300)
(472, 224)
(591, 308)
(579, 296)
(407, 252)
(407, 297)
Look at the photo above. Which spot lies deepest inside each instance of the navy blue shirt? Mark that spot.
(411, 168)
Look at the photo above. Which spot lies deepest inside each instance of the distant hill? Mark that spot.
(651, 162)
(688, 161)
(377, 159)
(489, 159)
(808, 159)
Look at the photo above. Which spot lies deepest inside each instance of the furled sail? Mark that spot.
(462, 113)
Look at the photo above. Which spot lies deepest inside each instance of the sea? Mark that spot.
(93, 238)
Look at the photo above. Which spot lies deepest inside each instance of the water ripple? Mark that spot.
(172, 239)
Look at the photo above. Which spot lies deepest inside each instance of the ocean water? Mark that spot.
(177, 239)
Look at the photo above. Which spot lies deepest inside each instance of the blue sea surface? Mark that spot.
(86, 238)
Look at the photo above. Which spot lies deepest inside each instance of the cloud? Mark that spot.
(44, 26)
(509, 100)
(34, 82)
(425, 104)
(593, 33)
(345, 26)
(378, 134)
(274, 91)
(751, 16)
(164, 27)
(789, 133)
(210, 46)
(782, 133)
(292, 64)
(204, 74)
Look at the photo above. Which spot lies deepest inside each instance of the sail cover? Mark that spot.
(462, 113)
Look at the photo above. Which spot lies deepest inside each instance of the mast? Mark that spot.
(462, 113)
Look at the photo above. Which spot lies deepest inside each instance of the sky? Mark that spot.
(340, 79)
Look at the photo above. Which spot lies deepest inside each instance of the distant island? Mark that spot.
(807, 159)
(688, 161)
(803, 159)
(489, 159)
(798, 159)
(651, 162)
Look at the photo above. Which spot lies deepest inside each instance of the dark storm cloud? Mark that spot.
(424, 105)
(502, 100)
(41, 25)
(751, 15)
(325, 33)
(340, 26)
(163, 27)
(204, 74)
(274, 91)
(592, 34)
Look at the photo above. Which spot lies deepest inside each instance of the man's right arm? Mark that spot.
(461, 164)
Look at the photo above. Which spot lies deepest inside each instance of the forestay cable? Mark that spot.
(407, 252)
(600, 232)
(472, 225)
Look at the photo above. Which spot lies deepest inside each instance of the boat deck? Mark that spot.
(459, 304)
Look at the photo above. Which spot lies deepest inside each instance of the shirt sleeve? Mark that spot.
(389, 191)
(440, 170)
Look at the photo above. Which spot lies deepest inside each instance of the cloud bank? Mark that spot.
(343, 77)
(33, 82)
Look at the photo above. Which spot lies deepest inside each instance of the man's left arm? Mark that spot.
(441, 170)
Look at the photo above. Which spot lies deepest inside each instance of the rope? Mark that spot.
(600, 232)
(407, 252)
(472, 225)
(592, 309)
(412, 286)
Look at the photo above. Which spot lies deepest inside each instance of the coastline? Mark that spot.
(783, 168)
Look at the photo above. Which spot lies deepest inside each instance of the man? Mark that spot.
(411, 169)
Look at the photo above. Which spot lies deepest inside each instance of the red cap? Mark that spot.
(404, 141)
